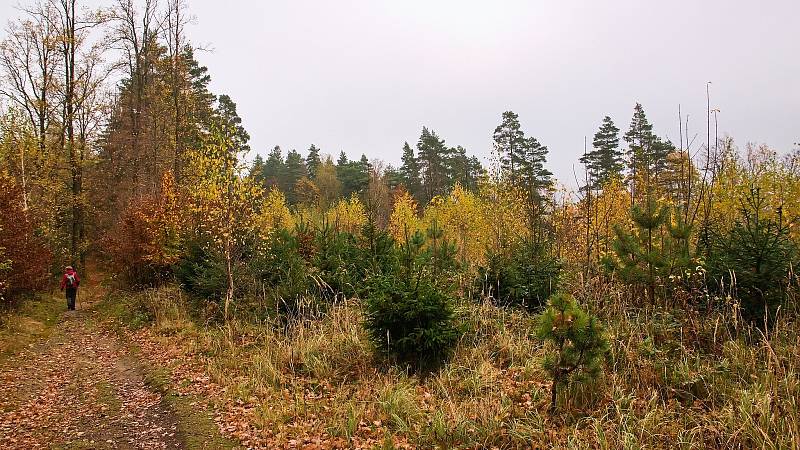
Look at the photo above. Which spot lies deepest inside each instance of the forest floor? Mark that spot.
(68, 383)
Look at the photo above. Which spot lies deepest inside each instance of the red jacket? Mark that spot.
(74, 274)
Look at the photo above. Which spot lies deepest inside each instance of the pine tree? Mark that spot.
(457, 166)
(294, 170)
(366, 166)
(579, 340)
(475, 172)
(658, 155)
(538, 178)
(639, 257)
(353, 175)
(755, 258)
(226, 113)
(393, 177)
(273, 168)
(409, 309)
(639, 137)
(313, 161)
(509, 143)
(342, 159)
(257, 170)
(535, 180)
(604, 162)
(432, 155)
(409, 172)
(647, 153)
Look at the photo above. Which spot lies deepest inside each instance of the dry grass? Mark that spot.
(676, 377)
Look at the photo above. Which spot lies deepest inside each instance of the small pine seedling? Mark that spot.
(579, 342)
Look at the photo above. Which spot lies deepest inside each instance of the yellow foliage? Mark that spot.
(762, 170)
(223, 202)
(465, 220)
(274, 214)
(347, 215)
(505, 210)
(609, 207)
(404, 217)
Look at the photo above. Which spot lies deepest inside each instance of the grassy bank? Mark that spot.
(30, 322)
(675, 377)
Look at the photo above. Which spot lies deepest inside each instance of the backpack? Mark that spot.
(70, 280)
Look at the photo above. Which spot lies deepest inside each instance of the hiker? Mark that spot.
(70, 282)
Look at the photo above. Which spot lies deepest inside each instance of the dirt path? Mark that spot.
(81, 389)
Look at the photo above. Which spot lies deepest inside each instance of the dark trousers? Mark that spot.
(71, 294)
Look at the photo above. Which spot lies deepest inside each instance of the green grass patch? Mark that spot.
(195, 423)
(31, 322)
(123, 310)
(108, 397)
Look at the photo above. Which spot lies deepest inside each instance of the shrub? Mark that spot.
(286, 276)
(344, 260)
(201, 272)
(578, 341)
(409, 309)
(335, 259)
(754, 259)
(525, 278)
(376, 250)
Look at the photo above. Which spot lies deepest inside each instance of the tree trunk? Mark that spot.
(229, 275)
(69, 119)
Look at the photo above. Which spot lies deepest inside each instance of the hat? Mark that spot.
(69, 268)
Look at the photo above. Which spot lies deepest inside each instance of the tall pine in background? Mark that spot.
(536, 181)
(522, 161)
(353, 175)
(432, 156)
(313, 161)
(295, 169)
(409, 172)
(639, 138)
(227, 115)
(605, 161)
(509, 143)
(273, 168)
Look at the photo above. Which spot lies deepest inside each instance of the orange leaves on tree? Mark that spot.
(24, 256)
(148, 238)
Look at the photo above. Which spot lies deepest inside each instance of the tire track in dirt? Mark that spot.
(81, 389)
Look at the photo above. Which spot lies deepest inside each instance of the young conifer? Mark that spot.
(578, 340)
(409, 312)
(638, 254)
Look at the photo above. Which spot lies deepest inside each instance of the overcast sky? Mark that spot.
(365, 75)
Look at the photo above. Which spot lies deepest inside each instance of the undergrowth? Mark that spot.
(677, 377)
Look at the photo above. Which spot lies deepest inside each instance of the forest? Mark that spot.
(314, 299)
